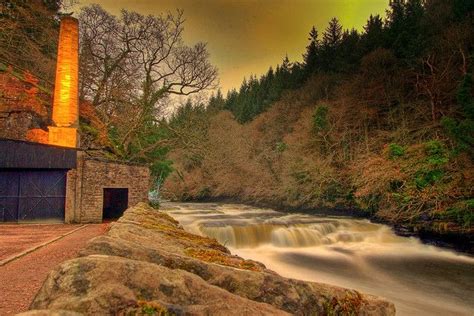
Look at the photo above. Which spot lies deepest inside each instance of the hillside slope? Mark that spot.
(380, 121)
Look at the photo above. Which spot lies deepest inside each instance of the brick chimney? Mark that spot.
(66, 98)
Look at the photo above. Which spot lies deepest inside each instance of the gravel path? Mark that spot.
(16, 238)
(22, 278)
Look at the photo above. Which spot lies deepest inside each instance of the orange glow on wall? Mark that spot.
(38, 135)
(66, 98)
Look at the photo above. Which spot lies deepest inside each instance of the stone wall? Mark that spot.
(85, 187)
(15, 125)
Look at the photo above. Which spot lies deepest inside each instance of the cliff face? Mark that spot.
(24, 105)
(147, 264)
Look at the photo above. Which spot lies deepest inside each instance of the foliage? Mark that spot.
(129, 66)
(405, 35)
(461, 212)
(29, 30)
(436, 153)
(462, 130)
(395, 151)
(320, 119)
(390, 84)
(256, 95)
(281, 147)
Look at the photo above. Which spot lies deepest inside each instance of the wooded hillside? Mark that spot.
(380, 120)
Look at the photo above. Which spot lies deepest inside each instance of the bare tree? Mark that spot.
(131, 64)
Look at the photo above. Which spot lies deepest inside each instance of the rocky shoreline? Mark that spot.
(146, 264)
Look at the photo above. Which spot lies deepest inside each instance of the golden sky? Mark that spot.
(247, 36)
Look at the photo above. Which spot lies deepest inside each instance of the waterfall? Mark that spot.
(349, 252)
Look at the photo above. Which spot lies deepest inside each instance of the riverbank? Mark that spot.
(456, 239)
(348, 252)
(147, 262)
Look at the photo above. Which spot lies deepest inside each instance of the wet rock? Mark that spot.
(147, 257)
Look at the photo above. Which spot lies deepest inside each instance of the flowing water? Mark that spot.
(353, 253)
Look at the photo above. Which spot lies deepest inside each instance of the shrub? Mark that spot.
(301, 176)
(395, 151)
(281, 147)
(462, 130)
(424, 178)
(462, 213)
(320, 119)
(437, 153)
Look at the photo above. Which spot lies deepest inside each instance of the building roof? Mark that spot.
(17, 154)
(101, 155)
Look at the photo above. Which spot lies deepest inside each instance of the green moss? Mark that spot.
(152, 308)
(348, 305)
(214, 256)
(426, 177)
(170, 227)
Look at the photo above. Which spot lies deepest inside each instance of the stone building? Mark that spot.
(99, 189)
(40, 182)
(48, 177)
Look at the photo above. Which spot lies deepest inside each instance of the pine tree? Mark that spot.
(463, 9)
(231, 101)
(333, 34)
(216, 102)
(373, 36)
(349, 52)
(405, 35)
(311, 56)
(286, 65)
(332, 37)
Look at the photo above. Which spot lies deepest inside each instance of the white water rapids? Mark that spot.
(353, 253)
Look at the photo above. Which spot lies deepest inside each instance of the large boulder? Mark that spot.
(110, 285)
(147, 262)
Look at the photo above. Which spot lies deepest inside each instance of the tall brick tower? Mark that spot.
(66, 98)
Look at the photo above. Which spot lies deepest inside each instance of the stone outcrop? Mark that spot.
(147, 264)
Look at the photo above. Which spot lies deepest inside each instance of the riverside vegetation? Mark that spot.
(379, 120)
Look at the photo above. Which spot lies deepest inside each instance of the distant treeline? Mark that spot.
(410, 28)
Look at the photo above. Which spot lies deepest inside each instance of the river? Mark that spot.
(354, 253)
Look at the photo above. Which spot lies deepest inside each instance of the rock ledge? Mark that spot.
(146, 264)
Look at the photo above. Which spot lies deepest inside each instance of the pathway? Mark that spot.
(20, 279)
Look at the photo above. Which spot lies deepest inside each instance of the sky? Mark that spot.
(246, 37)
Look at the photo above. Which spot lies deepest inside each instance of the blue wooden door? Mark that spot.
(32, 195)
(9, 185)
